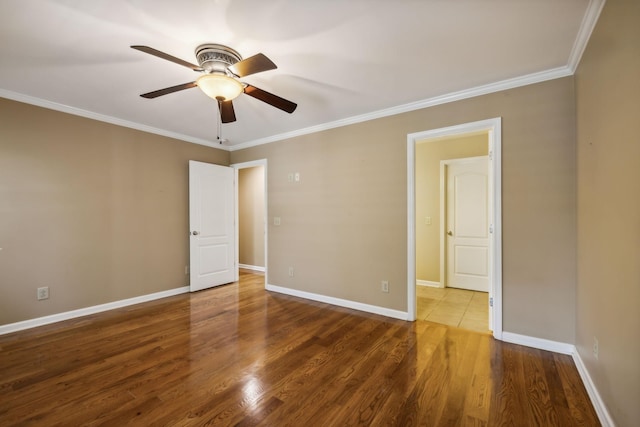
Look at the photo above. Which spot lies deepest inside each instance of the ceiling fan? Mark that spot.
(221, 67)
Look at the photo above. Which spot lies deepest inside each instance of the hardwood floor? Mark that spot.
(238, 355)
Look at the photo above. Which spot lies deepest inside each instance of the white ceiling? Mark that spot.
(341, 61)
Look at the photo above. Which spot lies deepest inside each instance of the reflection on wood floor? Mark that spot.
(239, 355)
(454, 307)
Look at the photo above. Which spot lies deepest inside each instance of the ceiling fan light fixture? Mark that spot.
(221, 66)
(220, 87)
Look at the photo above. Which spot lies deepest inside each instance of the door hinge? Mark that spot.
(490, 228)
(491, 302)
(491, 155)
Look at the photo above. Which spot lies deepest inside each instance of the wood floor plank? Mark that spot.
(559, 401)
(478, 398)
(582, 412)
(239, 355)
(507, 402)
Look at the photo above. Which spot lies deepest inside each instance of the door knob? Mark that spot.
(450, 233)
(195, 233)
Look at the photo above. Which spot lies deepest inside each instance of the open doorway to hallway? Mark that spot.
(251, 216)
(454, 218)
(452, 230)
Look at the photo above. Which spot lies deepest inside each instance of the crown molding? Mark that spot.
(39, 102)
(587, 26)
(512, 83)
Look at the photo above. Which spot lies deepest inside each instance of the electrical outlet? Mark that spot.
(43, 293)
(276, 220)
(290, 177)
(596, 347)
(297, 177)
(384, 286)
(290, 271)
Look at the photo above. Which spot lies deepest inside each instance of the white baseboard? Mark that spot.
(539, 343)
(252, 267)
(428, 283)
(396, 314)
(592, 391)
(41, 321)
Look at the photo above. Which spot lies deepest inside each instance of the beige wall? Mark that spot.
(608, 141)
(344, 225)
(99, 213)
(428, 155)
(96, 212)
(251, 216)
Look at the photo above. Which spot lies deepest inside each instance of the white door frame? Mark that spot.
(494, 129)
(245, 165)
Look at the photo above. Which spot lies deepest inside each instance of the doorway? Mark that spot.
(251, 216)
(432, 221)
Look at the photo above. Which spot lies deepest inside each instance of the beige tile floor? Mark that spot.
(455, 307)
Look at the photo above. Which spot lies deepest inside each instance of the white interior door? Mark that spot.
(468, 224)
(211, 221)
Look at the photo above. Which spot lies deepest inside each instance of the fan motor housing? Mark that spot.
(215, 58)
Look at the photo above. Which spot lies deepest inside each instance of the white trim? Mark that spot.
(539, 343)
(512, 83)
(429, 283)
(251, 267)
(251, 164)
(107, 119)
(411, 229)
(493, 127)
(236, 226)
(592, 391)
(587, 26)
(443, 223)
(396, 314)
(495, 181)
(59, 317)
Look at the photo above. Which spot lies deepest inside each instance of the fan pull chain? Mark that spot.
(219, 123)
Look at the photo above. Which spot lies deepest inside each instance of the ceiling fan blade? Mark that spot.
(167, 90)
(227, 113)
(252, 65)
(155, 52)
(271, 99)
